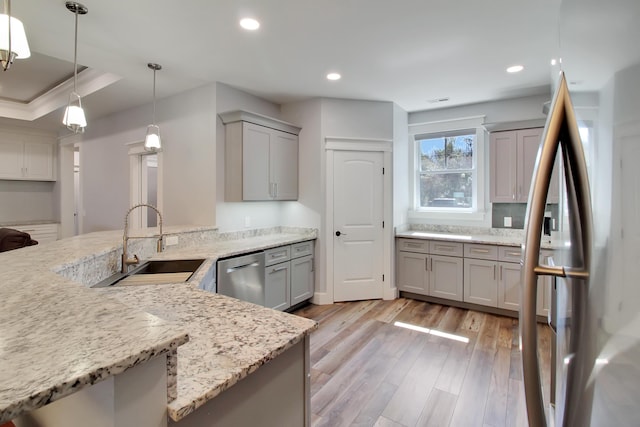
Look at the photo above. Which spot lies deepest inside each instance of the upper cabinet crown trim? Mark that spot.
(259, 119)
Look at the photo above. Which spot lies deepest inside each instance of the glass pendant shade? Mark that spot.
(19, 44)
(152, 140)
(74, 118)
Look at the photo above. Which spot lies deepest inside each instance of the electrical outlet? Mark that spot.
(171, 240)
(507, 221)
(247, 221)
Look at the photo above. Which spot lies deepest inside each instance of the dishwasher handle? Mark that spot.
(240, 267)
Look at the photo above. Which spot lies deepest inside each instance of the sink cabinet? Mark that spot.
(289, 275)
(261, 158)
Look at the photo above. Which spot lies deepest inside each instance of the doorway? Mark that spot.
(145, 177)
(358, 216)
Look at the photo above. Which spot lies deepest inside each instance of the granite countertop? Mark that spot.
(56, 337)
(229, 339)
(491, 239)
(222, 349)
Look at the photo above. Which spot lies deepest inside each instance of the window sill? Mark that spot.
(447, 215)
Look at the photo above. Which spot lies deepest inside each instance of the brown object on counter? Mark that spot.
(11, 239)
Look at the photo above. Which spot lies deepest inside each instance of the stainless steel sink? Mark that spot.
(168, 266)
(155, 272)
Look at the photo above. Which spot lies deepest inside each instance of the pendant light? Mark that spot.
(13, 40)
(152, 140)
(74, 118)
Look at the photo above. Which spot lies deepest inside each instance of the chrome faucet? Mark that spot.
(126, 261)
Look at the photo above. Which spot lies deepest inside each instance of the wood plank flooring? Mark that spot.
(366, 371)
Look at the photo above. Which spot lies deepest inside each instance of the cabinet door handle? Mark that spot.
(430, 264)
(494, 272)
(444, 248)
(275, 270)
(426, 264)
(500, 272)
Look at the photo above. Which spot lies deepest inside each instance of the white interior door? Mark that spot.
(357, 220)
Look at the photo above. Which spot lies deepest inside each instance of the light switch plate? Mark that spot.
(172, 240)
(507, 221)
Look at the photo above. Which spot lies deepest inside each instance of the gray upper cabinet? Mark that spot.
(261, 158)
(513, 159)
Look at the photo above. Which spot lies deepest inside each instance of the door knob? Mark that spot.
(340, 234)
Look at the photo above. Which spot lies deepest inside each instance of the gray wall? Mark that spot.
(188, 138)
(26, 201)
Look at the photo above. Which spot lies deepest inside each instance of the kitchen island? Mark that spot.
(58, 336)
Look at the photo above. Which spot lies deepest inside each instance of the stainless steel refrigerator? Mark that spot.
(593, 125)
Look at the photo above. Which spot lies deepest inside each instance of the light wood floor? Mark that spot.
(365, 371)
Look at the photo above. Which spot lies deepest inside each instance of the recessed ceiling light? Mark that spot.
(515, 69)
(436, 100)
(554, 62)
(334, 76)
(249, 24)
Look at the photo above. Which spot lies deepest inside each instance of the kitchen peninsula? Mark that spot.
(59, 338)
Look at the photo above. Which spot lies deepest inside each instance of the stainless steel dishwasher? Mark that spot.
(242, 277)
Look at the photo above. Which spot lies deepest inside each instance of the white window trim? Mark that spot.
(478, 212)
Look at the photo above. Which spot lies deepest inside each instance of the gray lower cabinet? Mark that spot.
(277, 284)
(289, 275)
(482, 274)
(509, 279)
(422, 271)
(413, 274)
(480, 282)
(446, 277)
(301, 279)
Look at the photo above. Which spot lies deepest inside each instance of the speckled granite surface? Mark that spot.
(56, 337)
(492, 239)
(229, 339)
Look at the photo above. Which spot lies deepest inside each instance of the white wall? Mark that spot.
(344, 118)
(187, 129)
(307, 211)
(234, 216)
(26, 201)
(401, 173)
(508, 110)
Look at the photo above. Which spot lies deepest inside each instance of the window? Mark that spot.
(446, 170)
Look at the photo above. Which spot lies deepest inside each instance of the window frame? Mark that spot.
(422, 131)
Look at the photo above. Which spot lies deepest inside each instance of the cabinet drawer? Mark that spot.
(413, 245)
(302, 249)
(509, 253)
(276, 255)
(445, 248)
(478, 251)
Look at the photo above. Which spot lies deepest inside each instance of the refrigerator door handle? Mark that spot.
(561, 129)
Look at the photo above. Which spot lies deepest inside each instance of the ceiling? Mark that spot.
(408, 52)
